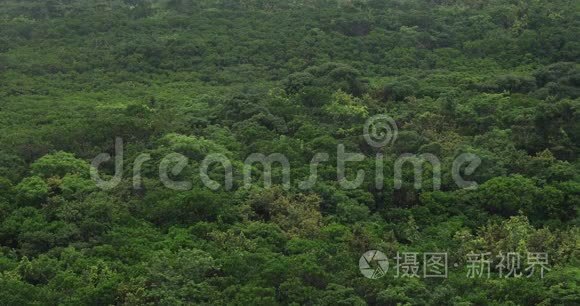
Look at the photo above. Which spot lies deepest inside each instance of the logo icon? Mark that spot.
(373, 264)
(380, 130)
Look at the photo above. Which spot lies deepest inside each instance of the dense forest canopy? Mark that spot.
(496, 79)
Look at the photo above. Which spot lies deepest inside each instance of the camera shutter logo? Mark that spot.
(373, 264)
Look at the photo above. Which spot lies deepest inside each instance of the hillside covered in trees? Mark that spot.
(497, 79)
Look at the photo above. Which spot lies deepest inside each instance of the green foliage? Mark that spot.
(32, 190)
(499, 79)
(59, 164)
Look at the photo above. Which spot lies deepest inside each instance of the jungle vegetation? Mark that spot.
(496, 78)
